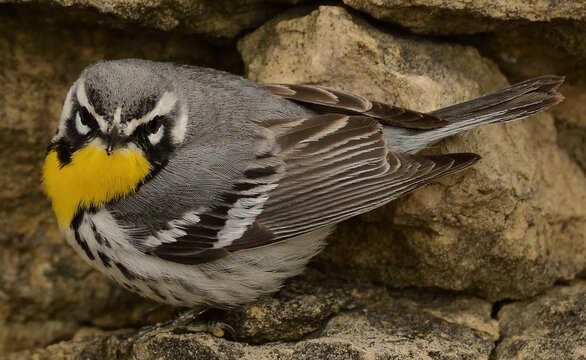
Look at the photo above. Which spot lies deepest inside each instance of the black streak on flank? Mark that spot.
(177, 298)
(124, 270)
(157, 292)
(128, 286)
(99, 238)
(105, 260)
(97, 235)
(83, 245)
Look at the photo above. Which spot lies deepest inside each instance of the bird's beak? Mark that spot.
(112, 141)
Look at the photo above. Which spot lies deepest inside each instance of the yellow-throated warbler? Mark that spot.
(194, 186)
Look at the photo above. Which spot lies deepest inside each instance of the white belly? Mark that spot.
(235, 279)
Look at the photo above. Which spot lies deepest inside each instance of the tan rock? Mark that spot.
(45, 289)
(551, 326)
(528, 51)
(217, 19)
(508, 228)
(302, 307)
(467, 17)
(571, 124)
(405, 325)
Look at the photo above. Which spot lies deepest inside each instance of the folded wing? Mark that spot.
(308, 173)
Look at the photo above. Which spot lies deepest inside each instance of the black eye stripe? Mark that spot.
(87, 119)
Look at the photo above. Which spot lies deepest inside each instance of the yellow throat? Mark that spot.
(92, 178)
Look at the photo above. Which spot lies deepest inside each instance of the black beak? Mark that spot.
(112, 140)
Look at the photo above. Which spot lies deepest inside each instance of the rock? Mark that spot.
(45, 289)
(467, 17)
(509, 228)
(555, 26)
(571, 124)
(527, 52)
(497, 230)
(406, 325)
(551, 326)
(302, 307)
(216, 19)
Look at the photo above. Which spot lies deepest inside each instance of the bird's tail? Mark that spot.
(515, 102)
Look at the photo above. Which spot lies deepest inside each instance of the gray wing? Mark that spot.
(514, 102)
(308, 173)
(326, 100)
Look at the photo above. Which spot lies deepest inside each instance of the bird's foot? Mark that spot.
(187, 322)
(215, 328)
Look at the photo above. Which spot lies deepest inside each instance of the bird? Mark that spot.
(197, 187)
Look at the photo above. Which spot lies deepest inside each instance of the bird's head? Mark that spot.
(120, 123)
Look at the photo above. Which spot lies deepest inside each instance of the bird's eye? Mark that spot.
(85, 122)
(154, 125)
(81, 128)
(154, 130)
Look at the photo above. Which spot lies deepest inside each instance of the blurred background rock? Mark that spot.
(483, 264)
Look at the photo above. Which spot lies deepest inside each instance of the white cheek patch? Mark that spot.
(156, 137)
(79, 126)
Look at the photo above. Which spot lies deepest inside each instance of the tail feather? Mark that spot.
(515, 102)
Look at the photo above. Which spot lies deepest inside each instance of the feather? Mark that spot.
(293, 175)
(326, 100)
(321, 170)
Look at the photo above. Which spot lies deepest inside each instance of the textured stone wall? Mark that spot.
(483, 264)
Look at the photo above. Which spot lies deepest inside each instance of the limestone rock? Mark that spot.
(528, 51)
(217, 19)
(409, 325)
(302, 307)
(571, 124)
(45, 289)
(551, 326)
(507, 228)
(467, 17)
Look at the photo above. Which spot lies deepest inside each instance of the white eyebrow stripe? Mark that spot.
(65, 114)
(180, 128)
(164, 106)
(83, 101)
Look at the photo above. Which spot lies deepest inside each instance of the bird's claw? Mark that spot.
(186, 322)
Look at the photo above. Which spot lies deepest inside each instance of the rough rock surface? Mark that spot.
(528, 51)
(371, 324)
(218, 19)
(571, 124)
(497, 229)
(552, 326)
(508, 228)
(467, 17)
(45, 289)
